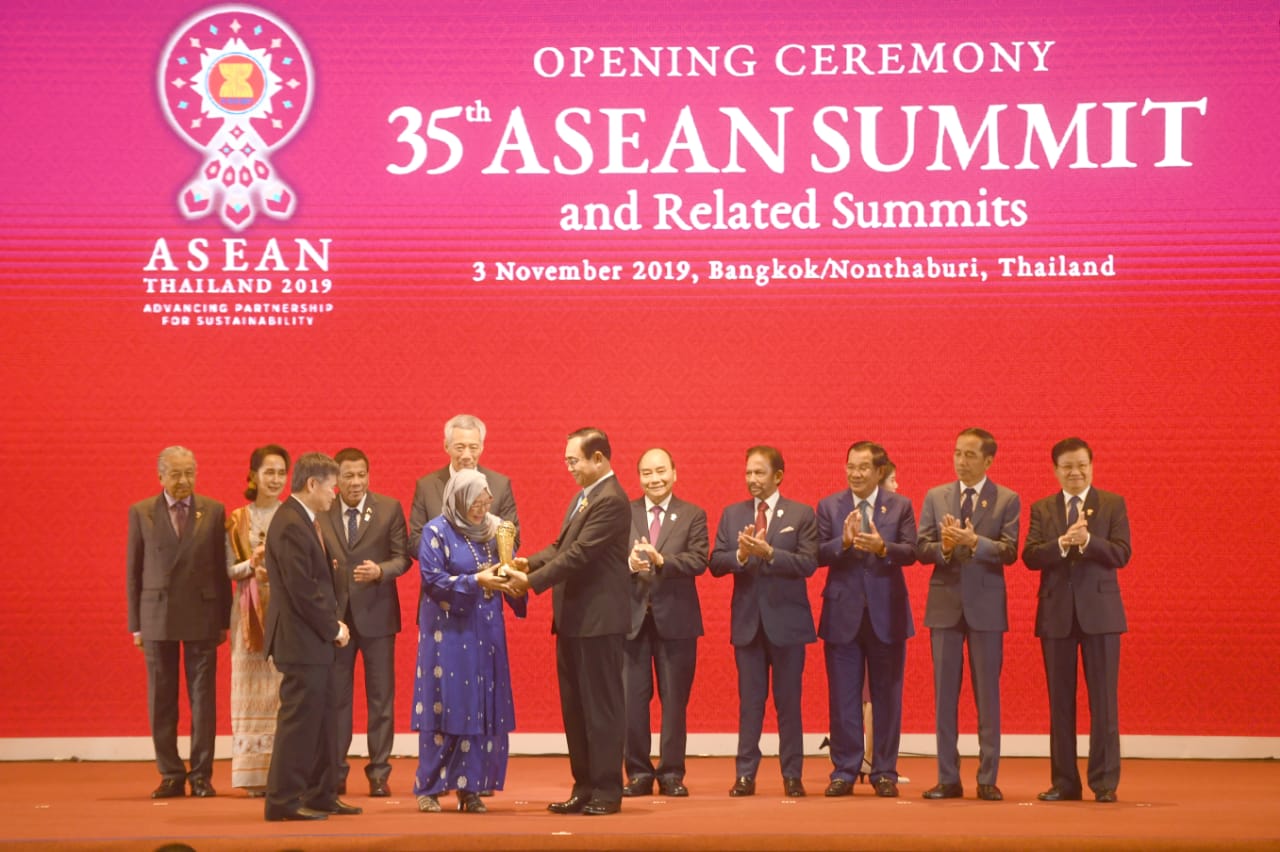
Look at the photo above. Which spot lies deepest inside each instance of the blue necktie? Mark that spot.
(1073, 513)
(351, 525)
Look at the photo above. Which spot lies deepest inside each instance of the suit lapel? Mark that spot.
(777, 518)
(985, 499)
(1090, 508)
(1059, 515)
(669, 520)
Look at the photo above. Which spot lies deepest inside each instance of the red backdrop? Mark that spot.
(1166, 367)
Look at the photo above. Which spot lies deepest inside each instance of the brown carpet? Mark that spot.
(1163, 805)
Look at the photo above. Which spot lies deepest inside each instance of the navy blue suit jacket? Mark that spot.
(857, 579)
(774, 593)
(1083, 584)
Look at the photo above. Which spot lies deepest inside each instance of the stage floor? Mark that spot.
(1164, 804)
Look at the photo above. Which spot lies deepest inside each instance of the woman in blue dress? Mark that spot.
(462, 707)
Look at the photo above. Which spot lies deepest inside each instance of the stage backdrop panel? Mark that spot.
(701, 226)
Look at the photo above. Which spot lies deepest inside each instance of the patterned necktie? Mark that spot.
(655, 526)
(762, 520)
(582, 502)
(865, 509)
(178, 517)
(1073, 513)
(966, 506)
(351, 525)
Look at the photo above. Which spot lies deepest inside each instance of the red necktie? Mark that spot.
(762, 521)
(655, 526)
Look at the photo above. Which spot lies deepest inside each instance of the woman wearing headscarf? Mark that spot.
(255, 683)
(462, 706)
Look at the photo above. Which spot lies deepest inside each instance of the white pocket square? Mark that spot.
(787, 530)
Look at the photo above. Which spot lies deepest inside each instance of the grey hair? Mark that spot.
(463, 421)
(176, 449)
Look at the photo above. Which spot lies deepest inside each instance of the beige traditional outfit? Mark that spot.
(255, 683)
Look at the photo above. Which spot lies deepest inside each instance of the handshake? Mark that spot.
(512, 579)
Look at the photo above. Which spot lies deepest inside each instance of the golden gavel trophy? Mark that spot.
(506, 536)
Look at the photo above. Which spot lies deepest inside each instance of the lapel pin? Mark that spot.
(368, 513)
(778, 513)
(1088, 513)
(984, 504)
(674, 516)
(882, 510)
(199, 515)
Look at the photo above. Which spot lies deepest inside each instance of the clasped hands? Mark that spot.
(510, 579)
(644, 557)
(1077, 535)
(750, 544)
(953, 534)
(852, 535)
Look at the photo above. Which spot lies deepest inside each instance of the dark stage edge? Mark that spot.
(1164, 804)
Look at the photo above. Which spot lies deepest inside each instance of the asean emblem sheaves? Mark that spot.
(236, 83)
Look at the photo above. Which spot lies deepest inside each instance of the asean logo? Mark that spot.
(236, 83)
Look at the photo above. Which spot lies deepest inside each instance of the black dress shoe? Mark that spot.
(485, 794)
(886, 788)
(469, 803)
(336, 808)
(1057, 794)
(944, 791)
(1105, 796)
(379, 789)
(793, 788)
(299, 814)
(600, 807)
(744, 786)
(839, 787)
(201, 788)
(638, 787)
(673, 788)
(572, 805)
(990, 793)
(170, 788)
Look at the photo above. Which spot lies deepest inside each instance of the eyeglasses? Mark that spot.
(571, 461)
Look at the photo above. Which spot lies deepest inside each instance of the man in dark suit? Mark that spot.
(301, 631)
(1078, 539)
(587, 568)
(770, 546)
(668, 553)
(365, 533)
(464, 442)
(968, 533)
(179, 601)
(866, 533)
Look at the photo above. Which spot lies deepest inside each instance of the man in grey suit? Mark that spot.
(968, 533)
(179, 601)
(1079, 539)
(669, 551)
(365, 535)
(464, 442)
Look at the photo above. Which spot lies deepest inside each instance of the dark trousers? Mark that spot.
(200, 659)
(1101, 655)
(672, 661)
(986, 658)
(379, 655)
(302, 759)
(756, 661)
(593, 709)
(884, 665)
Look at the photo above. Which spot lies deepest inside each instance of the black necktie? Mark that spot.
(966, 506)
(178, 515)
(1073, 513)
